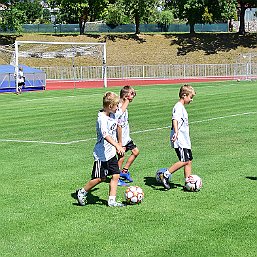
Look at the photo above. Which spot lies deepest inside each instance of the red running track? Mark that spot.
(68, 84)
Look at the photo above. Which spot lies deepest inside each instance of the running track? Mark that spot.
(68, 84)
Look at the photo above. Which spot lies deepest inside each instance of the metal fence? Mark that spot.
(152, 71)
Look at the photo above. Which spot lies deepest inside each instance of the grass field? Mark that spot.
(46, 154)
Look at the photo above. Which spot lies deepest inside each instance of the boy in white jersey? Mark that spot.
(179, 137)
(127, 92)
(105, 160)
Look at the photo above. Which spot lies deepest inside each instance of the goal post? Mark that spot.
(79, 52)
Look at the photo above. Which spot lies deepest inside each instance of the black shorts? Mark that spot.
(184, 154)
(130, 146)
(21, 84)
(103, 169)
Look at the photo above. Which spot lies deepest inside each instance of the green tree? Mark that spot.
(139, 10)
(202, 11)
(190, 10)
(243, 5)
(115, 14)
(13, 19)
(46, 16)
(33, 10)
(80, 11)
(165, 18)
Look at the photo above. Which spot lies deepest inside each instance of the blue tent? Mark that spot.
(35, 79)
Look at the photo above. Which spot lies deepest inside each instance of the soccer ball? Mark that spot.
(158, 173)
(193, 183)
(134, 195)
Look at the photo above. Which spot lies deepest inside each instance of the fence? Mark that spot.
(126, 28)
(152, 71)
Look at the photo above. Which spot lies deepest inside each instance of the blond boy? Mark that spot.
(179, 137)
(105, 160)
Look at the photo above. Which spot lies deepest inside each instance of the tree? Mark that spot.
(115, 15)
(139, 9)
(190, 10)
(13, 19)
(166, 17)
(33, 10)
(201, 11)
(242, 6)
(80, 11)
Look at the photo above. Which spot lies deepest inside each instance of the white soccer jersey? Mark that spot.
(105, 126)
(20, 77)
(123, 122)
(179, 113)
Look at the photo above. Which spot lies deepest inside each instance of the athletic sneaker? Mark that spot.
(81, 198)
(165, 181)
(115, 204)
(126, 176)
(121, 183)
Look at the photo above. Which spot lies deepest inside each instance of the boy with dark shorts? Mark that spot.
(179, 137)
(127, 92)
(106, 163)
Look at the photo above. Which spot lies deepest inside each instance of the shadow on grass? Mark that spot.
(8, 39)
(91, 199)
(151, 182)
(211, 43)
(103, 38)
(252, 178)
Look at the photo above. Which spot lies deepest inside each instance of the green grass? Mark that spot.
(39, 216)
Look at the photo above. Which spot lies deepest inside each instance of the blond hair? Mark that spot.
(186, 90)
(110, 99)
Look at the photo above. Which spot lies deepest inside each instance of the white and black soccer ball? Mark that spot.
(158, 173)
(193, 183)
(134, 195)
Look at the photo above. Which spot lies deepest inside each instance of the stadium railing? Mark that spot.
(152, 71)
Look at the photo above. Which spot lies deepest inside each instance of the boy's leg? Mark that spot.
(98, 175)
(185, 160)
(120, 161)
(134, 153)
(113, 185)
(176, 166)
(188, 169)
(92, 183)
(114, 170)
(166, 175)
(132, 157)
(82, 193)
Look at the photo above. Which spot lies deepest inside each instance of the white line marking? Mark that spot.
(135, 132)
(224, 117)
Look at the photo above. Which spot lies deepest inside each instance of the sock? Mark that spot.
(167, 174)
(112, 198)
(82, 190)
(124, 170)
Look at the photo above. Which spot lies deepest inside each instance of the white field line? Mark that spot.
(135, 132)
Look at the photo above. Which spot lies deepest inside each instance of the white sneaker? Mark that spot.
(115, 204)
(81, 198)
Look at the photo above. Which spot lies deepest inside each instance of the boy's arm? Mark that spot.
(119, 135)
(175, 127)
(128, 98)
(125, 105)
(119, 148)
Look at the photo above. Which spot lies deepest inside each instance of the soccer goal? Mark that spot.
(64, 62)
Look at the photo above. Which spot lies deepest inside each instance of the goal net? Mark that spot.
(65, 63)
